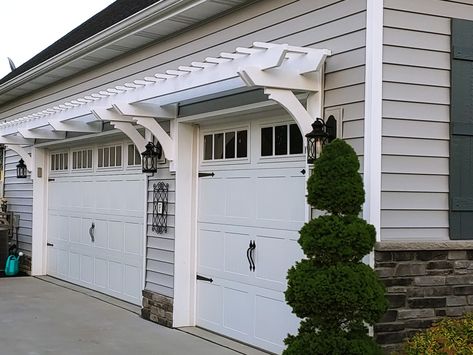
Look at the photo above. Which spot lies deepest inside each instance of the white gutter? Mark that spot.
(158, 12)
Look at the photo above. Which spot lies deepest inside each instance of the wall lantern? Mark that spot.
(150, 157)
(322, 133)
(21, 171)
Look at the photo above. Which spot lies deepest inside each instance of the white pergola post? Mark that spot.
(40, 211)
(185, 230)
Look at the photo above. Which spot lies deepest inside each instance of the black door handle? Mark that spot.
(91, 232)
(50, 244)
(250, 255)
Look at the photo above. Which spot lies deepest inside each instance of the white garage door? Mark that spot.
(95, 232)
(258, 199)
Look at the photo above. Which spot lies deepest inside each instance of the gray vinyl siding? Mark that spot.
(19, 195)
(416, 115)
(160, 247)
(333, 24)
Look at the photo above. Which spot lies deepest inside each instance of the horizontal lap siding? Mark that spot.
(333, 24)
(416, 116)
(19, 195)
(160, 247)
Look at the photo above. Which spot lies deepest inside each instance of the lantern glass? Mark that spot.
(21, 171)
(316, 140)
(149, 159)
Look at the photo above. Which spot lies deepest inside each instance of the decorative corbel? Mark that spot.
(138, 140)
(23, 154)
(145, 114)
(293, 106)
(124, 124)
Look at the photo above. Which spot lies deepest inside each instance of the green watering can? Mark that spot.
(13, 265)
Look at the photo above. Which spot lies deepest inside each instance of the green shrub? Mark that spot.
(450, 336)
(334, 293)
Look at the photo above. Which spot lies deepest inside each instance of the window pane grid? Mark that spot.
(58, 162)
(281, 140)
(225, 145)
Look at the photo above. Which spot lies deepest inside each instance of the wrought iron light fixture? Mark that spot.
(322, 133)
(21, 171)
(150, 157)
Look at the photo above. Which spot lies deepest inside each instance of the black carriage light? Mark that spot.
(21, 171)
(322, 133)
(150, 156)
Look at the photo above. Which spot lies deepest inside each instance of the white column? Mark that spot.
(373, 113)
(185, 230)
(40, 211)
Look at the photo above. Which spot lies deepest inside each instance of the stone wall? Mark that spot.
(424, 282)
(157, 308)
(25, 264)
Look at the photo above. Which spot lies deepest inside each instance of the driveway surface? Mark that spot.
(38, 317)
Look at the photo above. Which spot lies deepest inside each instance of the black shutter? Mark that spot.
(461, 131)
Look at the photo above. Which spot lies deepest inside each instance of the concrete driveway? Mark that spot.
(38, 317)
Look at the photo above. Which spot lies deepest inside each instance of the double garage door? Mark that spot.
(95, 231)
(250, 212)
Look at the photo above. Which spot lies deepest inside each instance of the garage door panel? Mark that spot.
(113, 262)
(84, 232)
(100, 233)
(237, 310)
(101, 271)
(75, 229)
(210, 313)
(132, 281)
(209, 241)
(237, 196)
(275, 207)
(273, 257)
(212, 198)
(86, 269)
(115, 276)
(74, 266)
(236, 260)
(273, 320)
(133, 241)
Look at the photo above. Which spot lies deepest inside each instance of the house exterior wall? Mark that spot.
(19, 195)
(416, 115)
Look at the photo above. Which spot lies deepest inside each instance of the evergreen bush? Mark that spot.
(334, 293)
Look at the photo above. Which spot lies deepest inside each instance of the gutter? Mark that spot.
(158, 12)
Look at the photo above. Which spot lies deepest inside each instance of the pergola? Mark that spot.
(280, 69)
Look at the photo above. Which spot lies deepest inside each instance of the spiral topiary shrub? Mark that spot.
(334, 293)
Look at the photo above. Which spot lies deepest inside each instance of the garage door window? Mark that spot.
(281, 140)
(226, 145)
(134, 156)
(82, 159)
(110, 157)
(59, 162)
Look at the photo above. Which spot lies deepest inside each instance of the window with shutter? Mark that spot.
(461, 131)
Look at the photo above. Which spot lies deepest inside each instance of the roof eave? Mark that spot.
(133, 23)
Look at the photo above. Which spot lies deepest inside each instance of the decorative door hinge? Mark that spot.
(206, 174)
(203, 278)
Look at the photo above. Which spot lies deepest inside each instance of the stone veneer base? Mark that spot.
(424, 283)
(157, 308)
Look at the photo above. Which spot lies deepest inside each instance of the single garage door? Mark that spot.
(95, 227)
(250, 211)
